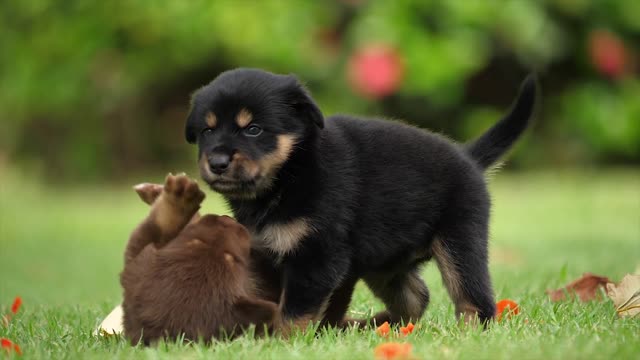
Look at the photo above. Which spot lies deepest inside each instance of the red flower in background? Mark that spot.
(375, 71)
(391, 351)
(16, 304)
(608, 53)
(9, 346)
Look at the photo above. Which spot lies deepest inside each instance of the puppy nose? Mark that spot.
(219, 163)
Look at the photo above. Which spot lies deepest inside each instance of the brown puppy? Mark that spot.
(267, 283)
(186, 274)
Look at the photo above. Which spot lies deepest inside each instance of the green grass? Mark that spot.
(61, 250)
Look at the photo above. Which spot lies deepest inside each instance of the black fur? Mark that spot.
(487, 149)
(380, 197)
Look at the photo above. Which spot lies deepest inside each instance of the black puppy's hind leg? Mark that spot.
(405, 295)
(461, 255)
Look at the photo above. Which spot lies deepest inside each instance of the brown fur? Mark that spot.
(452, 281)
(271, 163)
(402, 292)
(186, 274)
(240, 162)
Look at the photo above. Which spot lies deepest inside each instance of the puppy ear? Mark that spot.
(311, 111)
(255, 311)
(190, 131)
(304, 104)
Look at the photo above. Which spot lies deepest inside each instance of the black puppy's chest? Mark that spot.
(273, 231)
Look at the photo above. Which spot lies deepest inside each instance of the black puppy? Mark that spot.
(331, 201)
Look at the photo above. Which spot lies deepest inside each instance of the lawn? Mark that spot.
(61, 250)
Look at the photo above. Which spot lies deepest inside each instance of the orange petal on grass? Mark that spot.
(406, 330)
(16, 304)
(384, 329)
(389, 351)
(509, 305)
(9, 346)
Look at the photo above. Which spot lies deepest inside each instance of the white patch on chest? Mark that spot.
(282, 239)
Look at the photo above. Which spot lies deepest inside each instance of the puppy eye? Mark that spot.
(207, 132)
(252, 130)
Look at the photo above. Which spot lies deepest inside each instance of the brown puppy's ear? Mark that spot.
(148, 192)
(255, 311)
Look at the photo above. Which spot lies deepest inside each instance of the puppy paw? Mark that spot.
(182, 193)
(148, 192)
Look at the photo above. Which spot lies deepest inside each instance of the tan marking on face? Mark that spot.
(205, 170)
(284, 238)
(228, 258)
(244, 118)
(211, 120)
(271, 163)
(250, 167)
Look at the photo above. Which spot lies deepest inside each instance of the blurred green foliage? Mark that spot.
(93, 88)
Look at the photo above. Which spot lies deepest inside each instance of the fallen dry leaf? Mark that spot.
(395, 351)
(586, 288)
(626, 295)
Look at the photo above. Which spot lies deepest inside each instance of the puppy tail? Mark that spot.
(489, 147)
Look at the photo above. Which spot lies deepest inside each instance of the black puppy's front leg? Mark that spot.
(310, 279)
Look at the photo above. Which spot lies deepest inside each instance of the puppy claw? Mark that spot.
(183, 192)
(140, 186)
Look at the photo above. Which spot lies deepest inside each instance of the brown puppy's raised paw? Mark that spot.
(182, 193)
(148, 192)
(177, 205)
